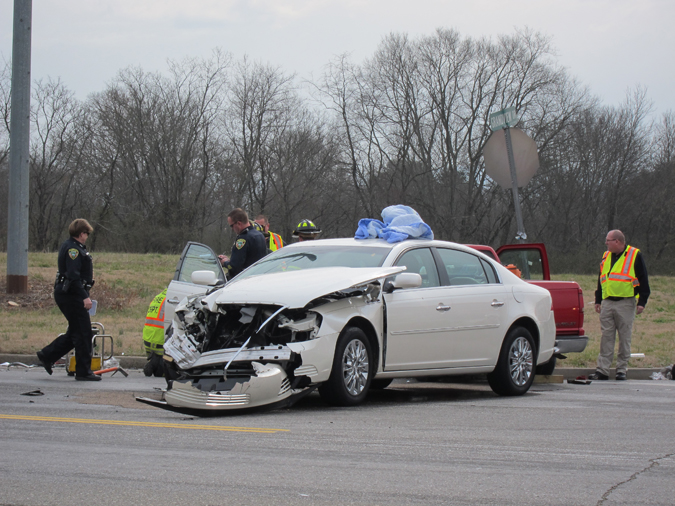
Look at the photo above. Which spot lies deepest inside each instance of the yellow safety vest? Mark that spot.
(619, 280)
(275, 242)
(153, 331)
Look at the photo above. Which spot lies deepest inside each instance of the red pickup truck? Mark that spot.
(568, 301)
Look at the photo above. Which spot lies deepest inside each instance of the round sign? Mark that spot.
(497, 159)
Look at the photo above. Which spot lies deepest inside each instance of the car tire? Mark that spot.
(515, 368)
(547, 368)
(352, 371)
(380, 384)
(170, 371)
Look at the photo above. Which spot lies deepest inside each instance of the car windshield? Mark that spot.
(315, 256)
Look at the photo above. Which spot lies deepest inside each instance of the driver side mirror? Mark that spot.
(403, 280)
(206, 278)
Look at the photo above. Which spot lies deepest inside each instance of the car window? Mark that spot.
(463, 268)
(314, 256)
(529, 262)
(421, 261)
(489, 271)
(198, 258)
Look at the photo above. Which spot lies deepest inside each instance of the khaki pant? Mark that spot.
(616, 316)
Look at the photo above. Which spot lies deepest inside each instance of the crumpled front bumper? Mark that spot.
(269, 385)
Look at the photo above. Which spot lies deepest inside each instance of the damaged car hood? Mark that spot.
(296, 289)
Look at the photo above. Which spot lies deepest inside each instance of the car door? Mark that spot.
(195, 257)
(416, 319)
(479, 308)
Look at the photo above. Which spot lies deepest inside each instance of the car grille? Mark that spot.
(211, 398)
(307, 370)
(285, 387)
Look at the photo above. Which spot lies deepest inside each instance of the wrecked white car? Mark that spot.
(347, 315)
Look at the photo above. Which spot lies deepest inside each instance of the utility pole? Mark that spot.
(19, 139)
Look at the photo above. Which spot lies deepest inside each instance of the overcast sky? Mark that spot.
(609, 45)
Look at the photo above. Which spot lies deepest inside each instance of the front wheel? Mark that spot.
(352, 372)
(514, 372)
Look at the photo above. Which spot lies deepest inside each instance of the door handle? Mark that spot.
(172, 301)
(441, 307)
(496, 303)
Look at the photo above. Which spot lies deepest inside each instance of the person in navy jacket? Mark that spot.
(74, 279)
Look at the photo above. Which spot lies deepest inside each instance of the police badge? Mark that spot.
(240, 243)
(72, 253)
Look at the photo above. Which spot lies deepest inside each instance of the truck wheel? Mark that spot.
(514, 372)
(547, 368)
(352, 373)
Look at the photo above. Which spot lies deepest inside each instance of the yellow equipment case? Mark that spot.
(100, 343)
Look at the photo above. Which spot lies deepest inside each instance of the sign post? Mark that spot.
(505, 119)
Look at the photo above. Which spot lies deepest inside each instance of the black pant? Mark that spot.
(77, 336)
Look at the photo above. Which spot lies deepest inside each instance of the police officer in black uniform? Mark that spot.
(249, 246)
(71, 293)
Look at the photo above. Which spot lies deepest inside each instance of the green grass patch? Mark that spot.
(125, 285)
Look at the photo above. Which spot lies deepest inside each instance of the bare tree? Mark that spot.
(260, 110)
(344, 91)
(54, 167)
(5, 100)
(652, 222)
(414, 120)
(632, 150)
(160, 147)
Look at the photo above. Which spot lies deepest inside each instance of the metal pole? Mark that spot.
(17, 222)
(521, 235)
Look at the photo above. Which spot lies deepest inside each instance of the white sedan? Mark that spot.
(347, 315)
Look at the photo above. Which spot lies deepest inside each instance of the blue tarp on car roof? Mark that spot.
(400, 223)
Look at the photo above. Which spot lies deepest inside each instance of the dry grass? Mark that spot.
(126, 283)
(653, 331)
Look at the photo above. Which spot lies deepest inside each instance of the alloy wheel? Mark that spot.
(520, 361)
(355, 367)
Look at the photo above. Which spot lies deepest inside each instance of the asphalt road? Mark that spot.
(607, 443)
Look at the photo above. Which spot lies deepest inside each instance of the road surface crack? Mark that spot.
(653, 463)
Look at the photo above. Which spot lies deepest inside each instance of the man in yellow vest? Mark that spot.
(153, 336)
(622, 278)
(274, 241)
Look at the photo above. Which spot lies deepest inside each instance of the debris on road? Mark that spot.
(580, 380)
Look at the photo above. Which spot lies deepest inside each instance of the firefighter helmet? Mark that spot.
(257, 226)
(306, 228)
